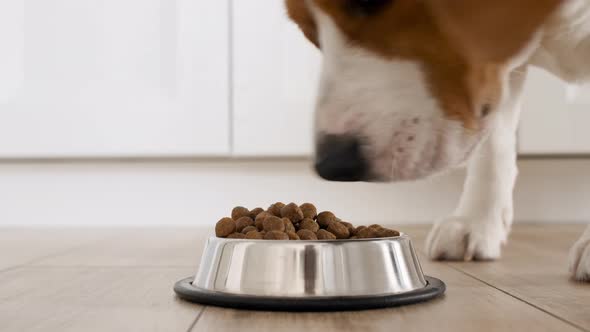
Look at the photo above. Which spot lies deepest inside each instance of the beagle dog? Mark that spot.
(412, 88)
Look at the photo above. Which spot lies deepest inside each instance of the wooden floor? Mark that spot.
(121, 280)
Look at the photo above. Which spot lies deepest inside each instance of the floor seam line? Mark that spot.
(581, 328)
(41, 258)
(194, 323)
(11, 268)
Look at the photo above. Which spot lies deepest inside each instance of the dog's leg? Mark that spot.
(580, 257)
(482, 221)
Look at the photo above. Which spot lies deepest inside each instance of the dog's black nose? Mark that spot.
(339, 158)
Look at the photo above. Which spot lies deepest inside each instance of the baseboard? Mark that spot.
(191, 193)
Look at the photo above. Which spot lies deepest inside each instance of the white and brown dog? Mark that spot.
(411, 88)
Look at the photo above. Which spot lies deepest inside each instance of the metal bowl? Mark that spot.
(309, 275)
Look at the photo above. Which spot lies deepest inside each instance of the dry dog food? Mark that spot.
(293, 222)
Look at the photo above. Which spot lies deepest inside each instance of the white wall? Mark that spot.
(555, 116)
(199, 192)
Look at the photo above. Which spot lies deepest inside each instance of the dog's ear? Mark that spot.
(298, 12)
(492, 30)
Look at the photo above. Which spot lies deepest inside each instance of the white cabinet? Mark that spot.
(275, 75)
(555, 117)
(114, 78)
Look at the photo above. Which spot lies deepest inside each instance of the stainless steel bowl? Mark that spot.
(315, 274)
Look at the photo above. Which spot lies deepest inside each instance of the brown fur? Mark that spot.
(299, 13)
(492, 30)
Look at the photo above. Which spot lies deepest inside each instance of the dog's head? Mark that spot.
(409, 88)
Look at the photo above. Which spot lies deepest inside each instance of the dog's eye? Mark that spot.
(367, 7)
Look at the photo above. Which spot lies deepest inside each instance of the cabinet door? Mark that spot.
(555, 116)
(113, 78)
(275, 80)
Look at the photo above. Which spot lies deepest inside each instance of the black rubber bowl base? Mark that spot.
(185, 290)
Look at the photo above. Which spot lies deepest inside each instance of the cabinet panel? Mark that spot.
(276, 74)
(555, 116)
(113, 78)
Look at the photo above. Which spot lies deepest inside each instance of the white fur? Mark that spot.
(565, 47)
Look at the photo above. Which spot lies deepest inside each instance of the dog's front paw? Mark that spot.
(579, 260)
(463, 238)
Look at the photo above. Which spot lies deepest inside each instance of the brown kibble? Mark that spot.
(236, 236)
(293, 222)
(368, 233)
(275, 209)
(326, 218)
(288, 225)
(260, 219)
(255, 212)
(323, 234)
(309, 210)
(339, 229)
(276, 235)
(293, 212)
(358, 229)
(306, 234)
(254, 235)
(242, 223)
(309, 224)
(362, 232)
(273, 223)
(386, 232)
(248, 229)
(239, 212)
(348, 226)
(225, 227)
